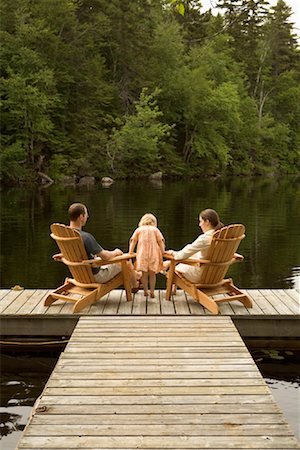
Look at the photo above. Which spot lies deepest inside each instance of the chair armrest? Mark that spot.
(116, 259)
(189, 261)
(98, 262)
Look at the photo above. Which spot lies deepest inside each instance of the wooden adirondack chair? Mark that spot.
(212, 287)
(82, 290)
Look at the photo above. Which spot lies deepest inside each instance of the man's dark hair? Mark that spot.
(75, 210)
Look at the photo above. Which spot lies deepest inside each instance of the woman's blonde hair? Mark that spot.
(148, 219)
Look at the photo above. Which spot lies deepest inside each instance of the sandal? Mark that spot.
(136, 289)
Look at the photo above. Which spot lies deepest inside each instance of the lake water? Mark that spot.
(269, 209)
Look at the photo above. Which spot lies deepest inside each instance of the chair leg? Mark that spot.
(51, 297)
(170, 279)
(207, 302)
(239, 295)
(87, 300)
(246, 301)
(126, 280)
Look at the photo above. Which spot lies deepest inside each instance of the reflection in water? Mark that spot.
(287, 395)
(23, 378)
(10, 422)
(268, 208)
(280, 368)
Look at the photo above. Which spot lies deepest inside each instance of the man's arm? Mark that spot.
(109, 254)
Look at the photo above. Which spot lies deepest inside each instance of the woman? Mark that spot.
(209, 222)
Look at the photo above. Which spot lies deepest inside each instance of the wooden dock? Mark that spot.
(156, 383)
(266, 302)
(275, 312)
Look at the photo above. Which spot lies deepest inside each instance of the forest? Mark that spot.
(125, 88)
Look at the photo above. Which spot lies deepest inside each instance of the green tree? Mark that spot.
(283, 47)
(137, 145)
(28, 91)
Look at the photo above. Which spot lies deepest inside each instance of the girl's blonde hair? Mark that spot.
(148, 219)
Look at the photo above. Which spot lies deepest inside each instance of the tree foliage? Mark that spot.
(127, 87)
(139, 142)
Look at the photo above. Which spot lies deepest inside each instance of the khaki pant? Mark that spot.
(108, 272)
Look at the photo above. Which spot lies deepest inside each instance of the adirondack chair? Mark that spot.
(212, 287)
(82, 290)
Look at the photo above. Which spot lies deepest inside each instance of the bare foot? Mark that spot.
(152, 295)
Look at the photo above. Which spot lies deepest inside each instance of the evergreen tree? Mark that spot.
(244, 20)
(283, 46)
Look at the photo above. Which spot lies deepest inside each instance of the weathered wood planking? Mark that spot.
(266, 302)
(156, 383)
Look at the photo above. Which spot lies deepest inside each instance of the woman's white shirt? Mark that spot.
(197, 249)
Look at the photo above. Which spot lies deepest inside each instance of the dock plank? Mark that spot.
(167, 306)
(130, 429)
(38, 296)
(280, 306)
(294, 294)
(139, 304)
(3, 293)
(40, 308)
(125, 306)
(156, 382)
(288, 300)
(112, 301)
(159, 442)
(153, 305)
(20, 302)
(188, 419)
(263, 303)
(180, 303)
(9, 299)
(256, 309)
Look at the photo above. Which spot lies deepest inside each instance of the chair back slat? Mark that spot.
(223, 246)
(72, 248)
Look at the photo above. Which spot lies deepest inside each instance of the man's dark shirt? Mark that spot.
(91, 246)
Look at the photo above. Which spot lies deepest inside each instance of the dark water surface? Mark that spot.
(24, 376)
(269, 208)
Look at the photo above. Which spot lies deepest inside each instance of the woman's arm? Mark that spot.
(199, 244)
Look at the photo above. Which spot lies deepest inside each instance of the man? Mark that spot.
(78, 215)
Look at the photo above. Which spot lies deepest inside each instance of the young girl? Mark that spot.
(150, 247)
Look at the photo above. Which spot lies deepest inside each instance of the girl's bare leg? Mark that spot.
(145, 282)
(152, 282)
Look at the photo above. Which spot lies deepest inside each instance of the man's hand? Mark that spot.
(57, 257)
(117, 252)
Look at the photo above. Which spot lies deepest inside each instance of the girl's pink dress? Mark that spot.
(148, 253)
